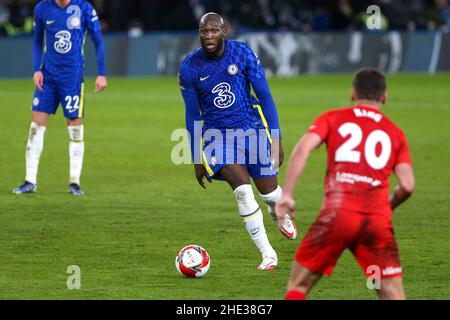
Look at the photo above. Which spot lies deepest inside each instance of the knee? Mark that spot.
(392, 290)
(39, 118)
(302, 279)
(245, 199)
(39, 122)
(300, 284)
(243, 193)
(392, 295)
(272, 196)
(36, 130)
(268, 187)
(299, 287)
(76, 133)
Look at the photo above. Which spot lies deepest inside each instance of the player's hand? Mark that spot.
(38, 79)
(100, 84)
(283, 206)
(201, 174)
(276, 153)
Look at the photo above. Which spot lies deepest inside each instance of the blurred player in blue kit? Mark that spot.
(60, 29)
(216, 82)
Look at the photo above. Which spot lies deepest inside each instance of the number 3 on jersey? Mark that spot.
(347, 152)
(225, 98)
(63, 44)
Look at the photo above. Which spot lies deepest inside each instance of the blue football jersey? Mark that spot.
(64, 31)
(222, 87)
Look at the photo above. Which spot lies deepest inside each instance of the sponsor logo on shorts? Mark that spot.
(35, 102)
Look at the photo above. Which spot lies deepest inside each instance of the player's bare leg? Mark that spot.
(35, 145)
(266, 185)
(301, 282)
(76, 153)
(270, 192)
(236, 175)
(391, 289)
(238, 178)
(40, 118)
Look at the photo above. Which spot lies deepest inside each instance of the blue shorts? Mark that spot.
(69, 92)
(250, 148)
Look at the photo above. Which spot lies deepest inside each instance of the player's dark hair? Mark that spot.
(369, 84)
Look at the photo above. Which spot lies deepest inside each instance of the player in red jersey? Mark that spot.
(364, 148)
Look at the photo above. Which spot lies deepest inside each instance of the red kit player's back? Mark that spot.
(364, 147)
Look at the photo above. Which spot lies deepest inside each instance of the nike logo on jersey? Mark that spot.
(50, 21)
(203, 79)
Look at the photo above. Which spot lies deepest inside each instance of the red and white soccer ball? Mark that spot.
(192, 261)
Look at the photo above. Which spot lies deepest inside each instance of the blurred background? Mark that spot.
(245, 15)
(150, 37)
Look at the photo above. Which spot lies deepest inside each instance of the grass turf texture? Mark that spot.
(140, 209)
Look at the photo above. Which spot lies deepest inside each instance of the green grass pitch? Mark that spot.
(140, 208)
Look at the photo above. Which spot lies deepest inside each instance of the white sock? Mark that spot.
(253, 219)
(76, 152)
(271, 199)
(35, 145)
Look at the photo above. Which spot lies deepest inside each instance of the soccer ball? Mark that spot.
(192, 261)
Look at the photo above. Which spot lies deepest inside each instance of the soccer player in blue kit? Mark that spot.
(216, 82)
(58, 77)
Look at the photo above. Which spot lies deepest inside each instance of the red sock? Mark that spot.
(295, 295)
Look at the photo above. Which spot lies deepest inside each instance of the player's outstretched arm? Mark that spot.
(192, 116)
(95, 32)
(297, 162)
(38, 47)
(406, 184)
(261, 88)
(257, 78)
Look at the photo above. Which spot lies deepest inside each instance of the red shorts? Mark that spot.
(369, 237)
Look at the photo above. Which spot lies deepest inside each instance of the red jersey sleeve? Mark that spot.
(403, 155)
(320, 126)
